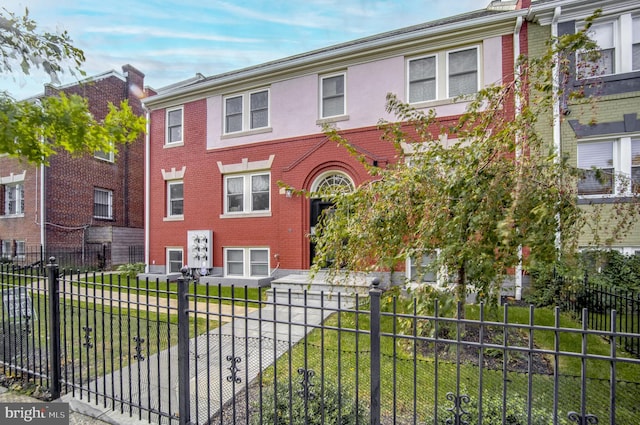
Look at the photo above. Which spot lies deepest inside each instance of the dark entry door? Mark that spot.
(317, 207)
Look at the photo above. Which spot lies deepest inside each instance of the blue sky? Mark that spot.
(170, 40)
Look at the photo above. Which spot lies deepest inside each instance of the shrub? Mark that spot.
(515, 412)
(131, 270)
(337, 407)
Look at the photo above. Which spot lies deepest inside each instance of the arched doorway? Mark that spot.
(325, 185)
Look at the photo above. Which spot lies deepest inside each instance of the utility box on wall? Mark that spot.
(199, 249)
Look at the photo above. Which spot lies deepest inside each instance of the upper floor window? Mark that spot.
(105, 156)
(462, 72)
(247, 111)
(174, 126)
(609, 167)
(618, 47)
(14, 199)
(422, 79)
(102, 203)
(175, 199)
(247, 193)
(333, 96)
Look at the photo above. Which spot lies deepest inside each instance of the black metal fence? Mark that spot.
(89, 257)
(213, 355)
(600, 301)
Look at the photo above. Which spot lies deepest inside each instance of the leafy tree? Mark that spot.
(474, 191)
(34, 130)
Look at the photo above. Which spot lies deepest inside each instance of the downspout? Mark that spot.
(147, 186)
(518, 110)
(43, 207)
(557, 138)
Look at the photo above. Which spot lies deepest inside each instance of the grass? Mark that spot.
(410, 373)
(164, 289)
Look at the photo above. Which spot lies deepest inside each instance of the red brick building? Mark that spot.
(79, 203)
(218, 147)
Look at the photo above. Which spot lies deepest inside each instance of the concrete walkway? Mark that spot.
(250, 344)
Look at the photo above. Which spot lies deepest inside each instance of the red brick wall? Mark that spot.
(25, 227)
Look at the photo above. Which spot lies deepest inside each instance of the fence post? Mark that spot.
(374, 297)
(184, 396)
(53, 279)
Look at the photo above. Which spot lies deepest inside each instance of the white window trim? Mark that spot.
(344, 96)
(478, 68)
(441, 275)
(437, 77)
(622, 43)
(246, 113)
(105, 156)
(109, 194)
(168, 185)
(166, 127)
(170, 249)
(246, 196)
(622, 163)
(246, 262)
(19, 207)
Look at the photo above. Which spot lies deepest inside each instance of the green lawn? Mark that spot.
(409, 371)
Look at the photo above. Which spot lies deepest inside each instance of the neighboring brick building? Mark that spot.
(79, 203)
(218, 147)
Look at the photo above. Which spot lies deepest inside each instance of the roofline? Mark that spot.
(97, 77)
(324, 55)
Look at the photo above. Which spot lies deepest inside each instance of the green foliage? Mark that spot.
(330, 407)
(131, 270)
(22, 45)
(515, 411)
(34, 130)
(420, 299)
(612, 268)
(474, 191)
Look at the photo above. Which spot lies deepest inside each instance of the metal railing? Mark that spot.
(199, 354)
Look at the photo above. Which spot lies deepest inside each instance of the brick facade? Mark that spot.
(69, 182)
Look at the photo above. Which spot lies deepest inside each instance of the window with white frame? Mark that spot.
(618, 47)
(105, 155)
(14, 199)
(174, 260)
(7, 248)
(246, 262)
(102, 203)
(609, 167)
(20, 249)
(422, 79)
(333, 100)
(247, 193)
(246, 111)
(462, 72)
(420, 269)
(174, 126)
(175, 198)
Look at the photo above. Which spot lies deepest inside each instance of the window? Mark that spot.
(20, 249)
(175, 198)
(618, 47)
(247, 193)
(174, 126)
(419, 269)
(7, 249)
(14, 199)
(174, 260)
(462, 72)
(609, 167)
(105, 156)
(422, 79)
(102, 203)
(248, 111)
(333, 96)
(246, 262)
